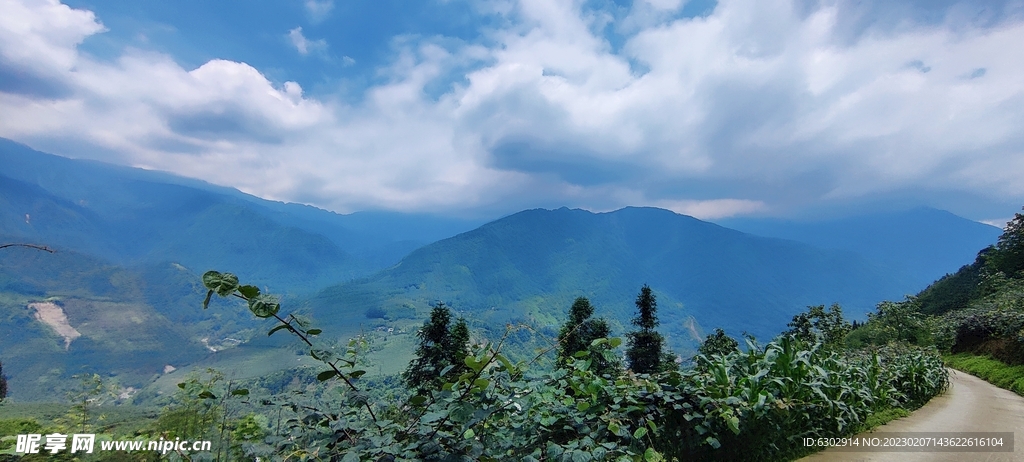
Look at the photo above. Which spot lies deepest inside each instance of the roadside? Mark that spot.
(970, 405)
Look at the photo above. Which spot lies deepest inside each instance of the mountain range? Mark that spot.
(528, 267)
(132, 243)
(133, 216)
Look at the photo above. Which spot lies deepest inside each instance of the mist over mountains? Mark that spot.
(923, 243)
(132, 243)
(133, 216)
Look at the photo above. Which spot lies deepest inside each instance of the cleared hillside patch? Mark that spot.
(52, 315)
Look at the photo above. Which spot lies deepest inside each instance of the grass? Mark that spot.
(991, 370)
(877, 419)
(125, 419)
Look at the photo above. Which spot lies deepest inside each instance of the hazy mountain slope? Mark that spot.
(66, 313)
(379, 238)
(114, 189)
(60, 221)
(923, 243)
(531, 265)
(131, 216)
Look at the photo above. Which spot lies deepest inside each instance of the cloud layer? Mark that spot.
(758, 106)
(303, 45)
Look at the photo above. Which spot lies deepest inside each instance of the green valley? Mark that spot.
(114, 320)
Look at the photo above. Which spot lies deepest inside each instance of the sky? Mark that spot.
(484, 107)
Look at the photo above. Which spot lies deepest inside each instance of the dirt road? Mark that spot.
(970, 405)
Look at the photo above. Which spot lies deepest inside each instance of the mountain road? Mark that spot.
(969, 405)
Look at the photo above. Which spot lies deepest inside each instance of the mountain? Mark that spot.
(530, 265)
(67, 313)
(132, 216)
(923, 243)
(122, 294)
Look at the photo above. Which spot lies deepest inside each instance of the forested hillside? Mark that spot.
(976, 314)
(520, 267)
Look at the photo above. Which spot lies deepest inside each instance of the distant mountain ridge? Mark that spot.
(119, 330)
(923, 242)
(131, 245)
(133, 216)
(531, 264)
(133, 242)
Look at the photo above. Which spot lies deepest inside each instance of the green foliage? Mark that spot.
(883, 417)
(753, 405)
(647, 309)
(990, 369)
(10, 428)
(819, 325)
(983, 330)
(579, 334)
(441, 351)
(718, 343)
(195, 408)
(247, 435)
(1008, 255)
(644, 354)
(375, 312)
(3, 383)
(992, 322)
(89, 393)
(894, 322)
(954, 291)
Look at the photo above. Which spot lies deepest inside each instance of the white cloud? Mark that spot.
(713, 209)
(303, 45)
(760, 106)
(318, 10)
(39, 40)
(997, 222)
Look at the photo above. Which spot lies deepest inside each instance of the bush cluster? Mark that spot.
(752, 405)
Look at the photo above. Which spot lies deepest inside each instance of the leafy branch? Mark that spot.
(267, 306)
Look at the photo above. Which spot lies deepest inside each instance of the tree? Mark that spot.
(718, 343)
(899, 321)
(645, 345)
(458, 344)
(441, 345)
(91, 392)
(1008, 255)
(3, 383)
(578, 334)
(816, 324)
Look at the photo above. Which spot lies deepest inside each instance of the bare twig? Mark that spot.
(31, 246)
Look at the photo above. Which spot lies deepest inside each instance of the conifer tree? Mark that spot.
(577, 334)
(441, 345)
(3, 383)
(458, 344)
(645, 345)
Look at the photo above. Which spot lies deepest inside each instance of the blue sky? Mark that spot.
(485, 107)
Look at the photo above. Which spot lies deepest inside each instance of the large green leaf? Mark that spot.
(223, 283)
(325, 375)
(264, 306)
(249, 291)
